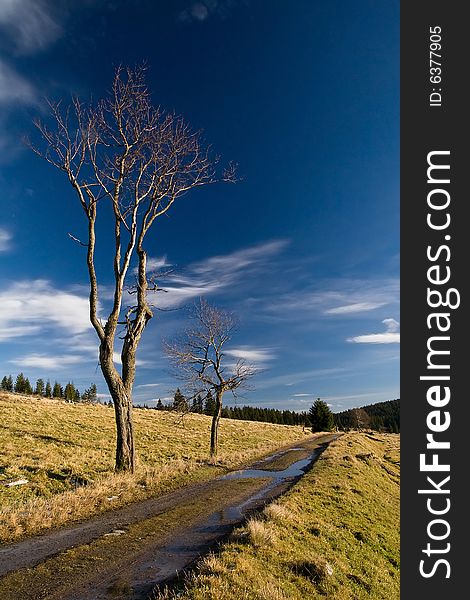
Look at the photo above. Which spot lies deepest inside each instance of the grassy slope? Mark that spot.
(334, 535)
(56, 446)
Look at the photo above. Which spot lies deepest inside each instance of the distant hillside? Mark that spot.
(383, 416)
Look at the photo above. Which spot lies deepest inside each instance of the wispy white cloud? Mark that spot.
(29, 24)
(5, 238)
(342, 297)
(252, 354)
(14, 331)
(390, 336)
(172, 297)
(201, 10)
(30, 27)
(240, 259)
(31, 306)
(14, 89)
(377, 338)
(147, 385)
(296, 377)
(391, 324)
(215, 273)
(356, 307)
(28, 307)
(155, 265)
(45, 361)
(85, 342)
(301, 395)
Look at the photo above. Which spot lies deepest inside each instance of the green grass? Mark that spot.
(334, 535)
(66, 452)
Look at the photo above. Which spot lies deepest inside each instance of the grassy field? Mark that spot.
(66, 453)
(335, 535)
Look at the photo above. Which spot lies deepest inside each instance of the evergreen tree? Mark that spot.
(57, 391)
(69, 392)
(159, 405)
(77, 396)
(90, 394)
(4, 384)
(267, 415)
(93, 393)
(39, 390)
(198, 405)
(321, 417)
(20, 383)
(28, 389)
(288, 418)
(48, 391)
(376, 423)
(180, 403)
(209, 405)
(9, 383)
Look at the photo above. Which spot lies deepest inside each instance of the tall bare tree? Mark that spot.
(125, 152)
(198, 355)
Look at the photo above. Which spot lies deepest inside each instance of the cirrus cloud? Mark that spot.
(216, 273)
(30, 24)
(28, 307)
(251, 354)
(201, 10)
(14, 89)
(5, 237)
(390, 336)
(356, 307)
(45, 361)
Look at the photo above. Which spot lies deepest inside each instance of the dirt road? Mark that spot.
(125, 553)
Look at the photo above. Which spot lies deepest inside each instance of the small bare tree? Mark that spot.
(200, 361)
(131, 155)
(360, 419)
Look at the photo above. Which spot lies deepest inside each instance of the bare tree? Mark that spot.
(131, 155)
(198, 354)
(361, 419)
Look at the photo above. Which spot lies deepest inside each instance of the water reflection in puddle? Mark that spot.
(294, 470)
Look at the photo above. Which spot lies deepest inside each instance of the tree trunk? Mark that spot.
(125, 452)
(122, 400)
(215, 422)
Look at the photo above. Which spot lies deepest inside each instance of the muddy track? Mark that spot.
(125, 553)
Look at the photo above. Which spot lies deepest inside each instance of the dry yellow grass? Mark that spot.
(334, 535)
(66, 452)
(277, 512)
(260, 533)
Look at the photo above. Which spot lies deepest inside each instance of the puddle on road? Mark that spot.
(161, 564)
(296, 469)
(185, 548)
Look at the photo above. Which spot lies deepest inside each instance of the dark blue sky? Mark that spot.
(304, 96)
